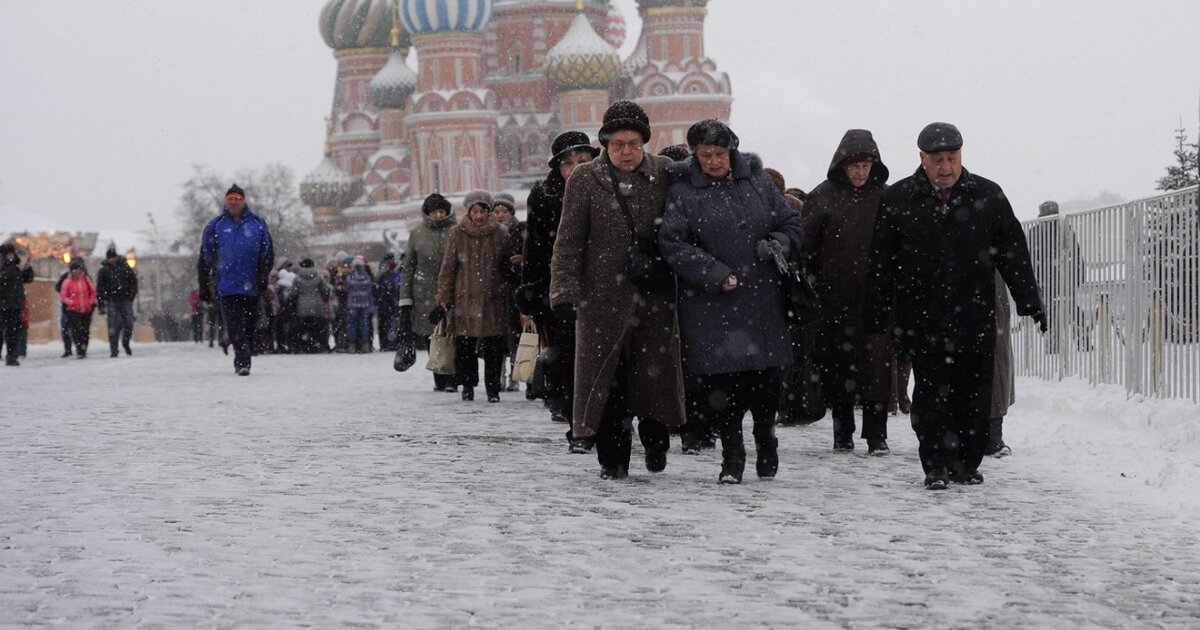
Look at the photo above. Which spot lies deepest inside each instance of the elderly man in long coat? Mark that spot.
(940, 237)
(627, 360)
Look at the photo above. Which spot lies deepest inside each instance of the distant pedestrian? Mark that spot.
(64, 328)
(505, 208)
(387, 301)
(360, 305)
(310, 298)
(419, 277)
(116, 289)
(236, 256)
(78, 297)
(14, 275)
(470, 295)
(940, 236)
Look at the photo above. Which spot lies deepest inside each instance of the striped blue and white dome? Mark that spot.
(423, 17)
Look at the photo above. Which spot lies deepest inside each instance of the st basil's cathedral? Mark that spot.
(496, 81)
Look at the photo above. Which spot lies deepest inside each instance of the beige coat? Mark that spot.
(591, 253)
(470, 279)
(1004, 391)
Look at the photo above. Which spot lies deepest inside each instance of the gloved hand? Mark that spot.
(1040, 318)
(768, 248)
(437, 315)
(100, 307)
(565, 313)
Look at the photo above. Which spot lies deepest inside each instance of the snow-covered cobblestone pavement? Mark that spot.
(163, 491)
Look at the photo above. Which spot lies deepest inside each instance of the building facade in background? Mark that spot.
(495, 82)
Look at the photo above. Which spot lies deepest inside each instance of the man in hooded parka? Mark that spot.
(839, 220)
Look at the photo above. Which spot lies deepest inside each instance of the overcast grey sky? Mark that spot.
(106, 104)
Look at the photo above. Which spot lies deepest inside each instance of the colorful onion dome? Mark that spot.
(582, 60)
(614, 27)
(677, 4)
(329, 187)
(358, 24)
(425, 17)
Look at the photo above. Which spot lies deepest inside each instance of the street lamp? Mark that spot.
(131, 258)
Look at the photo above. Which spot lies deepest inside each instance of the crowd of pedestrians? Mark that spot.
(671, 294)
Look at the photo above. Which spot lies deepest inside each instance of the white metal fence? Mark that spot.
(1122, 291)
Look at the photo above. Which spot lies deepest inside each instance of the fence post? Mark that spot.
(1104, 329)
(1157, 329)
(1135, 302)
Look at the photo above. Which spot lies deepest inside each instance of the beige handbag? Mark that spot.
(441, 350)
(527, 353)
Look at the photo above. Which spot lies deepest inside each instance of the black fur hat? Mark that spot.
(569, 142)
(712, 132)
(436, 202)
(623, 115)
(235, 190)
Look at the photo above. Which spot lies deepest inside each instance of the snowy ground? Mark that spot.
(163, 491)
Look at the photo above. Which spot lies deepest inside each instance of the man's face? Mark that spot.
(503, 214)
(479, 214)
(859, 172)
(714, 160)
(942, 168)
(625, 150)
(235, 204)
(438, 214)
(568, 164)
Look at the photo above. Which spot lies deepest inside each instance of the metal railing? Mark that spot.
(1122, 291)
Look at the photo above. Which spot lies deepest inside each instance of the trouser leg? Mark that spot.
(10, 331)
(493, 350)
(875, 415)
(112, 317)
(932, 411)
(466, 360)
(975, 401)
(239, 313)
(614, 437)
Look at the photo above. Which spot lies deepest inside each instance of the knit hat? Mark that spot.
(1048, 208)
(111, 253)
(623, 115)
(504, 199)
(569, 142)
(389, 256)
(7, 248)
(676, 152)
(235, 190)
(712, 132)
(939, 136)
(482, 197)
(76, 264)
(307, 263)
(435, 202)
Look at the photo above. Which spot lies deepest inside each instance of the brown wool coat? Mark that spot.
(470, 279)
(591, 252)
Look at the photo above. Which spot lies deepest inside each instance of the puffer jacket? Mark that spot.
(78, 294)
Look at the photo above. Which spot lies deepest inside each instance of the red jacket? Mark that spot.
(78, 294)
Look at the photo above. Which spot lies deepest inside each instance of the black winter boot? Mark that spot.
(733, 463)
(766, 462)
(843, 434)
(996, 446)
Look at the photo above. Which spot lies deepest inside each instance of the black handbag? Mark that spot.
(647, 269)
(803, 305)
(406, 352)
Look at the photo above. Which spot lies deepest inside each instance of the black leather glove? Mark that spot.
(1040, 318)
(768, 248)
(205, 293)
(437, 315)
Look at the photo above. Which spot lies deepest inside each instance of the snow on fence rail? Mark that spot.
(1122, 292)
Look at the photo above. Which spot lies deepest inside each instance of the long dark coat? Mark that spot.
(591, 254)
(545, 210)
(470, 279)
(422, 261)
(938, 262)
(838, 224)
(710, 229)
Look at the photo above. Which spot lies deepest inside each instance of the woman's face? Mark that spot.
(503, 214)
(438, 214)
(714, 160)
(568, 164)
(479, 214)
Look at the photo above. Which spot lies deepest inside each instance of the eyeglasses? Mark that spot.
(620, 146)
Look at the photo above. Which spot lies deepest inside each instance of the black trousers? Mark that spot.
(466, 361)
(614, 438)
(240, 314)
(560, 337)
(10, 331)
(80, 324)
(951, 405)
(722, 401)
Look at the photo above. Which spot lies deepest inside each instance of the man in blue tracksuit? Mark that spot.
(236, 257)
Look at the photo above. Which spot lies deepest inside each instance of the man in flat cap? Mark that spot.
(940, 236)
